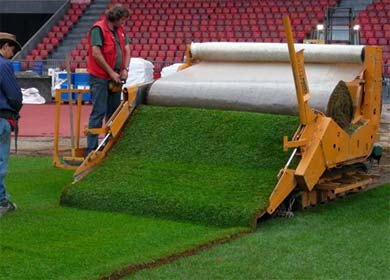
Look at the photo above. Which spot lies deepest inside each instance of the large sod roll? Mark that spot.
(200, 166)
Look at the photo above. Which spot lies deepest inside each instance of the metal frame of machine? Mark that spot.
(112, 128)
(322, 144)
(75, 153)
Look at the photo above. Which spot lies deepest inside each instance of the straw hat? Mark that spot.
(10, 38)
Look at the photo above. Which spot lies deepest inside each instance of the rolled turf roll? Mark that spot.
(340, 106)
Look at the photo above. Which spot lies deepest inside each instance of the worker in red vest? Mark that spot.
(11, 98)
(108, 62)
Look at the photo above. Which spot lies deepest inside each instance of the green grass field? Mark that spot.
(180, 179)
(202, 166)
(45, 241)
(345, 239)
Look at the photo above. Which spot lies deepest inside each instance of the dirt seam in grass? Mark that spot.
(131, 269)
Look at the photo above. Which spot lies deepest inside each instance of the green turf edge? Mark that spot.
(65, 243)
(347, 238)
(171, 258)
(44, 241)
(79, 196)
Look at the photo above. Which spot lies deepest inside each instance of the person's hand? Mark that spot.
(124, 75)
(115, 77)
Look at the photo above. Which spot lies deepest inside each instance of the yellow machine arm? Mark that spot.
(112, 131)
(322, 145)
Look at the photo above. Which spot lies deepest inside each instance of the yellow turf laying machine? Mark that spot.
(326, 146)
(330, 149)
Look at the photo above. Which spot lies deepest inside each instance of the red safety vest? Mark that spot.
(108, 49)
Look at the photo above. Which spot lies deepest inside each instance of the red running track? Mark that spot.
(39, 120)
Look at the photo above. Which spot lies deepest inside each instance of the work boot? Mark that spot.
(7, 206)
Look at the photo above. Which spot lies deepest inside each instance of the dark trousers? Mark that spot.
(104, 104)
(5, 143)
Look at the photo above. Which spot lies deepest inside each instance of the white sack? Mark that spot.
(140, 71)
(32, 96)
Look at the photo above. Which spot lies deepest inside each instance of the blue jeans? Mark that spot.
(5, 142)
(104, 104)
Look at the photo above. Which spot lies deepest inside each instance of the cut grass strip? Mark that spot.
(345, 239)
(201, 166)
(44, 241)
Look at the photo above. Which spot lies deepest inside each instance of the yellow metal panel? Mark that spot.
(335, 144)
(362, 141)
(285, 186)
(311, 167)
(373, 86)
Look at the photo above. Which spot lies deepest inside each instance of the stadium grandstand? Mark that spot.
(52, 30)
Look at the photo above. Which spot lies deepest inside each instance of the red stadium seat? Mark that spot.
(49, 47)
(170, 55)
(40, 46)
(43, 54)
(75, 53)
(59, 35)
(74, 18)
(35, 53)
(372, 41)
(64, 29)
(161, 28)
(137, 47)
(143, 54)
(73, 66)
(54, 42)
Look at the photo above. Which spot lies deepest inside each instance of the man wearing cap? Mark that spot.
(10, 104)
(108, 62)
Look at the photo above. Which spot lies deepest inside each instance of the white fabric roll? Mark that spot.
(275, 52)
(253, 84)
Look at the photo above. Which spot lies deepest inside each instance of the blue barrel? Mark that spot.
(65, 95)
(81, 79)
(17, 66)
(64, 76)
(38, 67)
